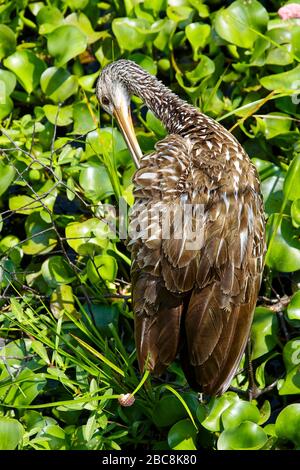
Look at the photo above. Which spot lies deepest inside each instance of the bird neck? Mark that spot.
(165, 105)
(171, 110)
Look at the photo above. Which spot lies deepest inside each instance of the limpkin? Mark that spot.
(197, 303)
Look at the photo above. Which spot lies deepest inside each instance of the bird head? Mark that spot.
(114, 97)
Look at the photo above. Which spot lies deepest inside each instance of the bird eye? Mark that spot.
(105, 101)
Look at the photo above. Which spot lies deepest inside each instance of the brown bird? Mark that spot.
(195, 281)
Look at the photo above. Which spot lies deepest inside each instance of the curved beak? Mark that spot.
(123, 117)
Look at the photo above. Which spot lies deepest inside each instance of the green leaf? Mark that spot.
(291, 188)
(217, 406)
(6, 104)
(24, 204)
(27, 67)
(293, 308)
(276, 124)
(265, 412)
(40, 236)
(239, 412)
(89, 237)
(65, 43)
(264, 332)
(57, 115)
(56, 270)
(291, 353)
(239, 23)
(182, 436)
(285, 252)
(285, 81)
(58, 84)
(29, 386)
(295, 213)
(54, 436)
(48, 19)
(40, 349)
(272, 180)
(144, 61)
(198, 36)
(167, 411)
(81, 21)
(131, 33)
(7, 41)
(104, 141)
(288, 423)
(77, 4)
(205, 68)
(7, 175)
(102, 267)
(180, 13)
(11, 433)
(83, 121)
(166, 31)
(245, 436)
(102, 316)
(62, 302)
(9, 80)
(290, 385)
(155, 125)
(95, 182)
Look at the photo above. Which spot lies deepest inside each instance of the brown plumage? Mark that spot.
(192, 296)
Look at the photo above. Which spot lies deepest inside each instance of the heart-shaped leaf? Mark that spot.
(198, 35)
(263, 332)
(288, 423)
(81, 21)
(239, 412)
(59, 115)
(205, 68)
(58, 84)
(95, 182)
(62, 302)
(131, 34)
(9, 80)
(27, 67)
(89, 237)
(241, 21)
(102, 267)
(7, 174)
(245, 436)
(284, 255)
(48, 19)
(168, 410)
(217, 406)
(284, 81)
(65, 43)
(56, 271)
(182, 435)
(11, 433)
(41, 237)
(7, 41)
(83, 121)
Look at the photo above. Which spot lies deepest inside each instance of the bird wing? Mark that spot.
(220, 310)
(157, 303)
(200, 297)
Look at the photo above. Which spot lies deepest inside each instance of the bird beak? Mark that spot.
(123, 117)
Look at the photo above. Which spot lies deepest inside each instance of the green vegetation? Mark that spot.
(66, 343)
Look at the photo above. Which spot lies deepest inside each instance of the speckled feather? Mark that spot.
(200, 302)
